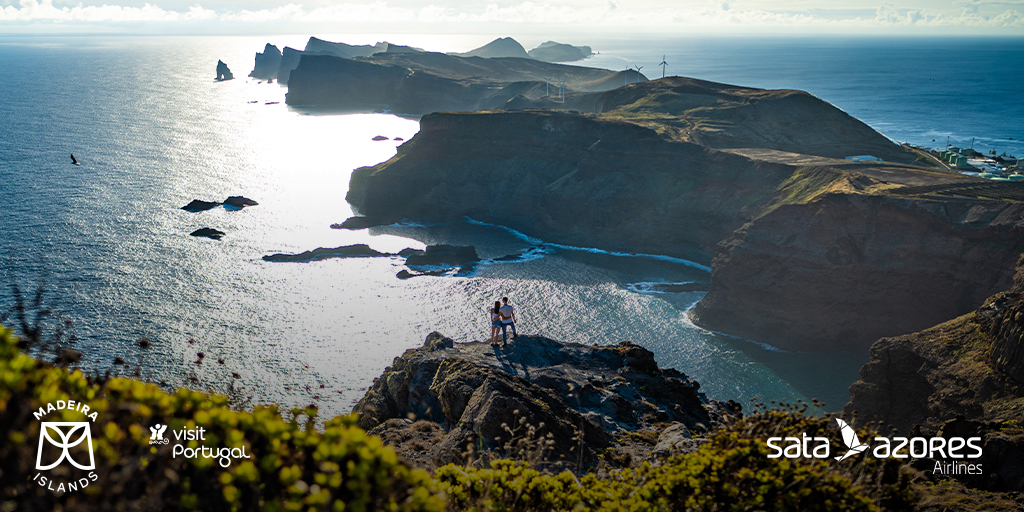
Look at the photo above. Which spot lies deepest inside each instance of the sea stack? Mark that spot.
(267, 63)
(223, 73)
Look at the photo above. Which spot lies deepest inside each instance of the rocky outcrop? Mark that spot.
(348, 251)
(442, 255)
(223, 73)
(458, 396)
(198, 205)
(358, 222)
(208, 233)
(1003, 320)
(267, 63)
(239, 202)
(552, 51)
(959, 378)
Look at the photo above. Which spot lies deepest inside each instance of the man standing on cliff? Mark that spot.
(508, 318)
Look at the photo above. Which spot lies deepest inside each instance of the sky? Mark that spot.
(619, 17)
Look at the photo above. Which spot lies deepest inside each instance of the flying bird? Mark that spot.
(850, 439)
(74, 161)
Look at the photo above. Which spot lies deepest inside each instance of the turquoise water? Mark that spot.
(153, 131)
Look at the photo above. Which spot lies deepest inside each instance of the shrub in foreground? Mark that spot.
(293, 466)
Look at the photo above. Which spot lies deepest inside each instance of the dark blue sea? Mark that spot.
(153, 131)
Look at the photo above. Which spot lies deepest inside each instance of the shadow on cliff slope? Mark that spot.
(964, 377)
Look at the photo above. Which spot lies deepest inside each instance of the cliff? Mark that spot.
(267, 63)
(567, 178)
(289, 61)
(423, 82)
(436, 401)
(325, 81)
(808, 251)
(845, 269)
(963, 376)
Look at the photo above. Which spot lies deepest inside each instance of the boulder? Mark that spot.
(676, 438)
(380, 137)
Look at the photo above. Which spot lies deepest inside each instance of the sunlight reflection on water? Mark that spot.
(153, 132)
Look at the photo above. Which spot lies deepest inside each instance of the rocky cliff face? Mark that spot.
(267, 63)
(289, 61)
(845, 269)
(569, 178)
(445, 400)
(811, 252)
(423, 82)
(962, 378)
(326, 81)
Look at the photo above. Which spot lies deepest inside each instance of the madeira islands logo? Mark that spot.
(46, 427)
(67, 446)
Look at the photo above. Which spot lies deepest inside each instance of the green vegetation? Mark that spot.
(295, 466)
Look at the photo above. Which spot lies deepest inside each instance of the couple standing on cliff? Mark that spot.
(502, 317)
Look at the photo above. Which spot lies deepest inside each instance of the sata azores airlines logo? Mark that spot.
(75, 428)
(67, 446)
(952, 455)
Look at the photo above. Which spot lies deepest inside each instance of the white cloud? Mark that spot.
(44, 10)
(695, 15)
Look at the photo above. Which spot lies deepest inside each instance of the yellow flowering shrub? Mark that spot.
(293, 466)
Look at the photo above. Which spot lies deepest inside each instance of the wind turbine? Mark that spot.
(663, 65)
(547, 90)
(561, 89)
(638, 68)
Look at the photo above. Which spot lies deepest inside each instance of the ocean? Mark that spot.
(153, 131)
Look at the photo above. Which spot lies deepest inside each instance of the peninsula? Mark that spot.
(808, 251)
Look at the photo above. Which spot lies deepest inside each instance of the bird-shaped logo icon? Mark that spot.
(850, 439)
